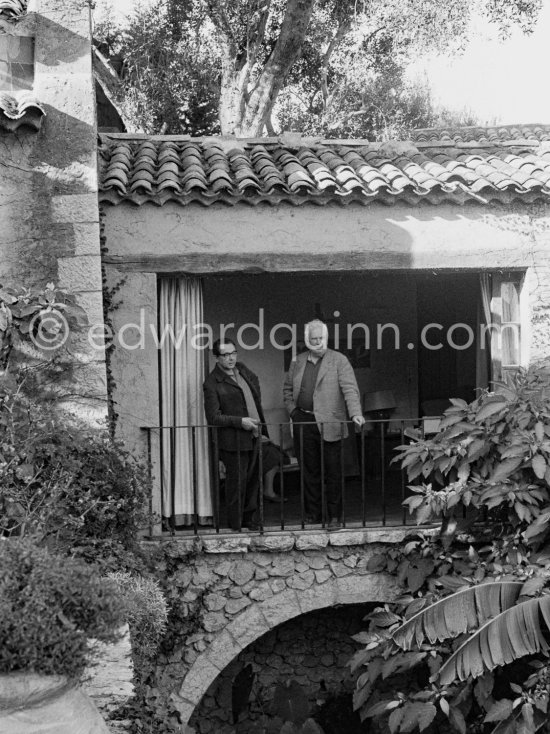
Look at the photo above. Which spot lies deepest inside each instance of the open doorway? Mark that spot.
(447, 318)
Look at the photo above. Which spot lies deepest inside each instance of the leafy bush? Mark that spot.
(44, 317)
(49, 607)
(65, 483)
(465, 647)
(492, 454)
(147, 612)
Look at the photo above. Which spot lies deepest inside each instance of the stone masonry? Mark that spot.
(228, 592)
(313, 650)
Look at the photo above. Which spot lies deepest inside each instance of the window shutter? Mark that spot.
(506, 324)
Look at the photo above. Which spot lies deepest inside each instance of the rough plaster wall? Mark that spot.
(49, 212)
(133, 362)
(400, 236)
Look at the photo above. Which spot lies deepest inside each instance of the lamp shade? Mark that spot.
(378, 400)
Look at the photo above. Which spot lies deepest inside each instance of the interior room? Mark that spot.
(376, 318)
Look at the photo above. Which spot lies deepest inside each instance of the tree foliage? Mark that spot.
(245, 67)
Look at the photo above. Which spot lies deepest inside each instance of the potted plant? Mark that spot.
(51, 608)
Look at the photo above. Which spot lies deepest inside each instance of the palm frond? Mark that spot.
(465, 610)
(512, 634)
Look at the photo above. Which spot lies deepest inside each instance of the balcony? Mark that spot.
(187, 476)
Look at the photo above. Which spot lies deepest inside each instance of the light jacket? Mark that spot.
(336, 389)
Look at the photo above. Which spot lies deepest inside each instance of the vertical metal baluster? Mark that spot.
(363, 476)
(164, 511)
(323, 488)
(383, 463)
(195, 488)
(150, 479)
(172, 481)
(261, 470)
(239, 497)
(403, 481)
(281, 479)
(214, 430)
(342, 478)
(302, 499)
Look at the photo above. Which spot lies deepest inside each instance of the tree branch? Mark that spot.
(341, 31)
(286, 51)
(253, 47)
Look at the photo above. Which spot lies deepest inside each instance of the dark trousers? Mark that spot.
(241, 485)
(307, 448)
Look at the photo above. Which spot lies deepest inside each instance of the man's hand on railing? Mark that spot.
(250, 424)
(359, 420)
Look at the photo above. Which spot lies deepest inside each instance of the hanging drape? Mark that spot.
(185, 459)
(483, 341)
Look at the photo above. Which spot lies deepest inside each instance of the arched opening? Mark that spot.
(301, 667)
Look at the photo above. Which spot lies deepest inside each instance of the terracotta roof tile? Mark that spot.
(441, 165)
(13, 9)
(18, 109)
(484, 135)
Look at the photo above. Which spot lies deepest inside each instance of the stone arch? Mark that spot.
(264, 616)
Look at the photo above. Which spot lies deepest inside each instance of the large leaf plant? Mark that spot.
(466, 646)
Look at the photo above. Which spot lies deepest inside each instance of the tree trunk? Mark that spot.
(245, 112)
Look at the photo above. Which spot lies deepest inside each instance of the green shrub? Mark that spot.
(147, 612)
(49, 608)
(66, 483)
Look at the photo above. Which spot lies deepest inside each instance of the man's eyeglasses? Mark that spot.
(229, 354)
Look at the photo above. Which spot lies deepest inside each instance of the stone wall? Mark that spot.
(227, 592)
(313, 650)
(48, 195)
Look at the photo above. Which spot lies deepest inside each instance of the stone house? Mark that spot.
(409, 249)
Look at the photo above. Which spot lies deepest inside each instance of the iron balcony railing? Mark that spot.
(187, 479)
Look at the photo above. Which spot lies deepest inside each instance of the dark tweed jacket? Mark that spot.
(224, 405)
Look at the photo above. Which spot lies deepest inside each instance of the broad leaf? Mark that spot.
(505, 468)
(384, 618)
(538, 463)
(418, 715)
(381, 708)
(511, 635)
(499, 711)
(490, 408)
(457, 720)
(460, 612)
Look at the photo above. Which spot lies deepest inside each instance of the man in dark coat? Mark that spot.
(232, 403)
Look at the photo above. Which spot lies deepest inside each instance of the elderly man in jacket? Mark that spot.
(232, 402)
(318, 388)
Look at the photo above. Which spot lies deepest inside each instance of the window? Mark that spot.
(16, 63)
(505, 311)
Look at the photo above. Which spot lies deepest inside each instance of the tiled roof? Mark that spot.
(13, 9)
(140, 169)
(18, 109)
(483, 135)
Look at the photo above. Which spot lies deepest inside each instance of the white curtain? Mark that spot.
(186, 473)
(483, 353)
